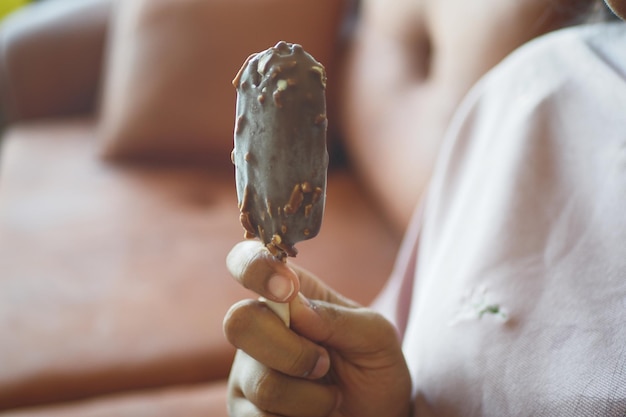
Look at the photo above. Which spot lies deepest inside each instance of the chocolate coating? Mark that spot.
(280, 150)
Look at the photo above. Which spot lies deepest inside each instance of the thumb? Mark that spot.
(345, 328)
(313, 288)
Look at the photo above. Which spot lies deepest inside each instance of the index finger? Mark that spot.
(254, 267)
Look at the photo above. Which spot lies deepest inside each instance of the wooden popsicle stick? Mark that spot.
(280, 309)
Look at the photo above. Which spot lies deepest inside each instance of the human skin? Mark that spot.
(335, 353)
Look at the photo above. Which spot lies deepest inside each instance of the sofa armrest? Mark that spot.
(51, 56)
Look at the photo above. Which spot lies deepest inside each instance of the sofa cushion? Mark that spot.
(113, 276)
(168, 91)
(198, 400)
(51, 59)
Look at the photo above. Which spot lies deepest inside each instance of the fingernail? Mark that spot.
(321, 367)
(280, 287)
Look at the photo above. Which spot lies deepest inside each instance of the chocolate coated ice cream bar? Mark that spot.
(280, 150)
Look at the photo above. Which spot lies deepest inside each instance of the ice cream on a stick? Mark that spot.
(280, 150)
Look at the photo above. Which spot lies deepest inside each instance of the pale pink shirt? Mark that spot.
(510, 289)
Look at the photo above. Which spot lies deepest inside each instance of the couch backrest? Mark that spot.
(51, 58)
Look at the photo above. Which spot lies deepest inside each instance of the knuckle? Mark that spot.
(300, 363)
(237, 321)
(385, 331)
(266, 391)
